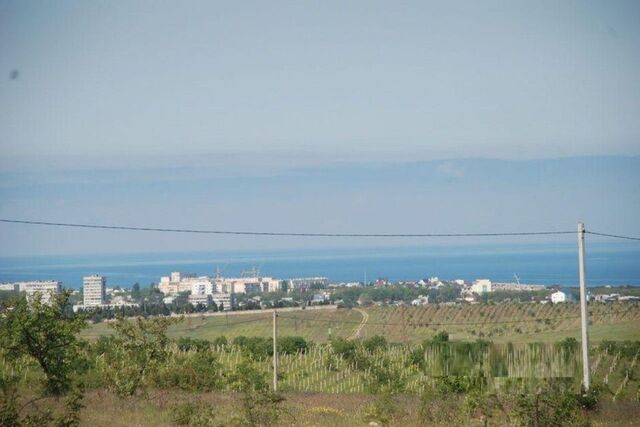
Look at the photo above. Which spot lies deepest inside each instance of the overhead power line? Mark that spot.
(615, 236)
(305, 234)
(282, 234)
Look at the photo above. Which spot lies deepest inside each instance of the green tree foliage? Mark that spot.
(254, 347)
(35, 333)
(385, 378)
(193, 344)
(195, 414)
(350, 296)
(554, 404)
(440, 337)
(374, 343)
(259, 348)
(292, 345)
(47, 333)
(139, 347)
(519, 296)
(346, 349)
(8, 295)
(152, 295)
(624, 348)
(193, 372)
(220, 341)
(135, 292)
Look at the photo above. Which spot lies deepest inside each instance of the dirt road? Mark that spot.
(365, 318)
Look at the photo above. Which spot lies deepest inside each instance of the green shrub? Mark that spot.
(192, 344)
(219, 341)
(344, 348)
(255, 347)
(554, 404)
(292, 345)
(192, 414)
(139, 349)
(385, 378)
(416, 357)
(46, 333)
(259, 405)
(374, 343)
(200, 371)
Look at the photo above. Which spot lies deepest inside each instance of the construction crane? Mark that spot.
(254, 272)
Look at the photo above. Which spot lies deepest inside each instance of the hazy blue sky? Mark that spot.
(298, 115)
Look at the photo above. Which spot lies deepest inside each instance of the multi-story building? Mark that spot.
(203, 299)
(175, 283)
(202, 286)
(94, 290)
(481, 286)
(245, 285)
(219, 290)
(227, 301)
(300, 283)
(45, 288)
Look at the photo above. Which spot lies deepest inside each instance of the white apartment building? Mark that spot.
(559, 296)
(202, 286)
(94, 290)
(307, 282)
(481, 286)
(219, 290)
(226, 300)
(203, 299)
(244, 285)
(46, 288)
(175, 283)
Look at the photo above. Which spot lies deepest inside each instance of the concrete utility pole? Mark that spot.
(586, 374)
(275, 351)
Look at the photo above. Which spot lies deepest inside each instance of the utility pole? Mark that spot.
(275, 351)
(586, 374)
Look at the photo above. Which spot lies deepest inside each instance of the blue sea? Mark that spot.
(607, 264)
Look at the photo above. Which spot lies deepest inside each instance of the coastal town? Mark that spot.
(182, 293)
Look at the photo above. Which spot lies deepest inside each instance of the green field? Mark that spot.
(314, 325)
(142, 378)
(509, 322)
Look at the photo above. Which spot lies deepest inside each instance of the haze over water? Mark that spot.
(615, 264)
(358, 117)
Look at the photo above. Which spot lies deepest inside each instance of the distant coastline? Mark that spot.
(534, 264)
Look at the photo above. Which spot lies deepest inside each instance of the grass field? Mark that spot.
(306, 409)
(314, 325)
(345, 383)
(509, 322)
